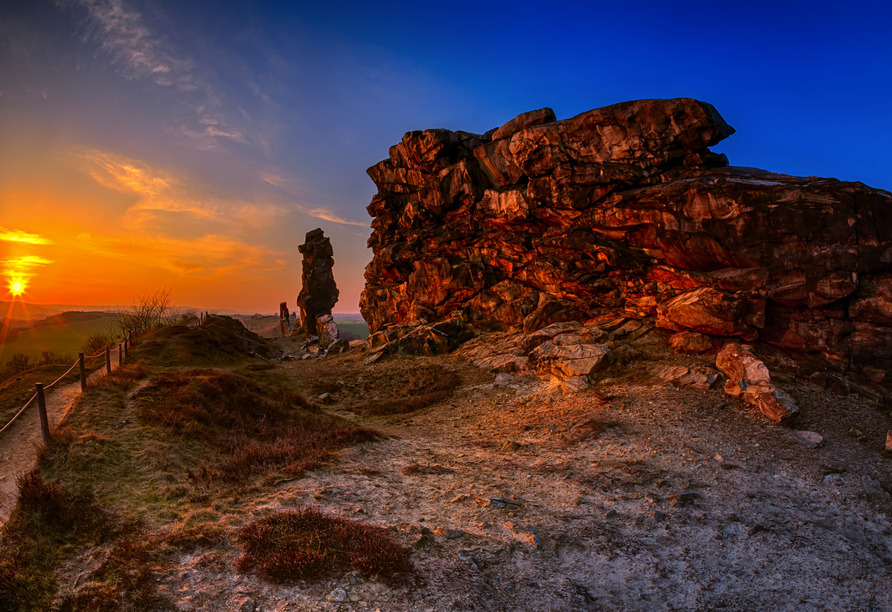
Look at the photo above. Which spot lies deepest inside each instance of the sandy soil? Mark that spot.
(636, 495)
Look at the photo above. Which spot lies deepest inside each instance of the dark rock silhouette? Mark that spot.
(318, 293)
(626, 209)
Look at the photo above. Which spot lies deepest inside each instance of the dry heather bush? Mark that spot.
(122, 376)
(300, 543)
(124, 581)
(218, 342)
(253, 430)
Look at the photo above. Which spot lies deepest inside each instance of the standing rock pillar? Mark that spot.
(318, 293)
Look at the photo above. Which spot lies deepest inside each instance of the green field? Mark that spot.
(62, 340)
(354, 327)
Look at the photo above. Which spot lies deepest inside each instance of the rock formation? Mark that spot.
(626, 209)
(318, 293)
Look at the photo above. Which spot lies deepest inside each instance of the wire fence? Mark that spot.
(81, 363)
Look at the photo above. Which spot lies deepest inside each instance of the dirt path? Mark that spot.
(19, 444)
(638, 496)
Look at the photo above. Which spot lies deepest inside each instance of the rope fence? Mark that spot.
(122, 350)
(81, 363)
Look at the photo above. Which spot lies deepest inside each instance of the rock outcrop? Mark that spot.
(318, 293)
(625, 209)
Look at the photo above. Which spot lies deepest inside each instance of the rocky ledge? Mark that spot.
(625, 210)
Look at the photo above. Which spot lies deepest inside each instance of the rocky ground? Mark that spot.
(635, 494)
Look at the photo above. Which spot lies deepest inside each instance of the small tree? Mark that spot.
(152, 310)
(97, 341)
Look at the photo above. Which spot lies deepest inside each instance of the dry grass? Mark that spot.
(47, 520)
(124, 375)
(425, 470)
(414, 389)
(253, 430)
(305, 542)
(214, 344)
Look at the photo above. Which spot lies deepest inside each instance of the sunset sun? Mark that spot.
(17, 287)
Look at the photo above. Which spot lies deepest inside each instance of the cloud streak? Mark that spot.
(23, 267)
(209, 256)
(12, 235)
(141, 54)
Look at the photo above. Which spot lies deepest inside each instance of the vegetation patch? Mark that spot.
(253, 430)
(305, 542)
(412, 390)
(47, 521)
(122, 376)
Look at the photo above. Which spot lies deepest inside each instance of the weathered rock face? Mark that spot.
(626, 209)
(318, 293)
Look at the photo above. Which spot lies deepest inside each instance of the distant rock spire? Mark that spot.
(319, 292)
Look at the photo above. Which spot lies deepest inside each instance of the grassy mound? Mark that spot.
(305, 542)
(250, 428)
(221, 341)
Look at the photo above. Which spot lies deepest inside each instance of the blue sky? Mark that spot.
(194, 144)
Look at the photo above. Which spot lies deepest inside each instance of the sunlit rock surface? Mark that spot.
(626, 209)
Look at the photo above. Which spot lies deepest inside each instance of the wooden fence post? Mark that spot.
(126, 351)
(121, 355)
(41, 408)
(107, 360)
(83, 371)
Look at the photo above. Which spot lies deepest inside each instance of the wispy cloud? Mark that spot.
(12, 235)
(273, 179)
(23, 267)
(142, 54)
(327, 215)
(123, 174)
(161, 191)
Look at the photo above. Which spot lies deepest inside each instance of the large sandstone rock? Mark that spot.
(626, 209)
(318, 293)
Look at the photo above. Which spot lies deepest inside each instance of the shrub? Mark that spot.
(97, 341)
(300, 543)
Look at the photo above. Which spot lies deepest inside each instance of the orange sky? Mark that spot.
(91, 226)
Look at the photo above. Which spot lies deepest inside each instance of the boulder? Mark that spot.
(571, 360)
(750, 381)
(692, 343)
(326, 330)
(337, 347)
(626, 210)
(704, 310)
